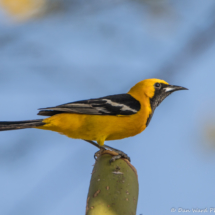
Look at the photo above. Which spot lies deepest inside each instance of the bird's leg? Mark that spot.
(93, 143)
(121, 154)
(96, 145)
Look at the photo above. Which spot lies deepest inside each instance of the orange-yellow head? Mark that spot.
(155, 89)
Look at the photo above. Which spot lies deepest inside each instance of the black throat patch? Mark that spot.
(158, 97)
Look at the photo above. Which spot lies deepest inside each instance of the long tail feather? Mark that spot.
(13, 125)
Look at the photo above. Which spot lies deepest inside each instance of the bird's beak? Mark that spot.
(172, 88)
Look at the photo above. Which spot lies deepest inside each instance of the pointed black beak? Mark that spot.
(172, 88)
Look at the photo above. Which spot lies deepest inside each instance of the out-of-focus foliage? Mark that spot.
(23, 9)
(209, 133)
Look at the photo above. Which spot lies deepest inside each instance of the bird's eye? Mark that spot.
(157, 85)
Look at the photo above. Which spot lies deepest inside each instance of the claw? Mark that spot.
(105, 147)
(116, 157)
(95, 157)
(120, 155)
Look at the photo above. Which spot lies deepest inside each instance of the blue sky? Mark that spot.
(65, 57)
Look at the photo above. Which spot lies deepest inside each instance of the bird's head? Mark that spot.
(155, 89)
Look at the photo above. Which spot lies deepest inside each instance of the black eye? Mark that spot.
(157, 85)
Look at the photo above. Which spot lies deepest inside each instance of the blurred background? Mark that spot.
(58, 51)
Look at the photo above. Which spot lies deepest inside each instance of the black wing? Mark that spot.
(121, 104)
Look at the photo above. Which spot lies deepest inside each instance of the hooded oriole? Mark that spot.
(107, 118)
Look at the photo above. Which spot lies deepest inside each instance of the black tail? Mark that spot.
(13, 125)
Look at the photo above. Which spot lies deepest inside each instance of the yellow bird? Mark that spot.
(108, 118)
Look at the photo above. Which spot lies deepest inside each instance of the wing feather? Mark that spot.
(121, 104)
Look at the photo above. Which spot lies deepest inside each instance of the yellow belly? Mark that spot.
(96, 127)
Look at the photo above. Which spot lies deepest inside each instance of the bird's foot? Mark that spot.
(121, 154)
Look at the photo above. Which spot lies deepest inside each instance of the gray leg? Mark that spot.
(116, 157)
